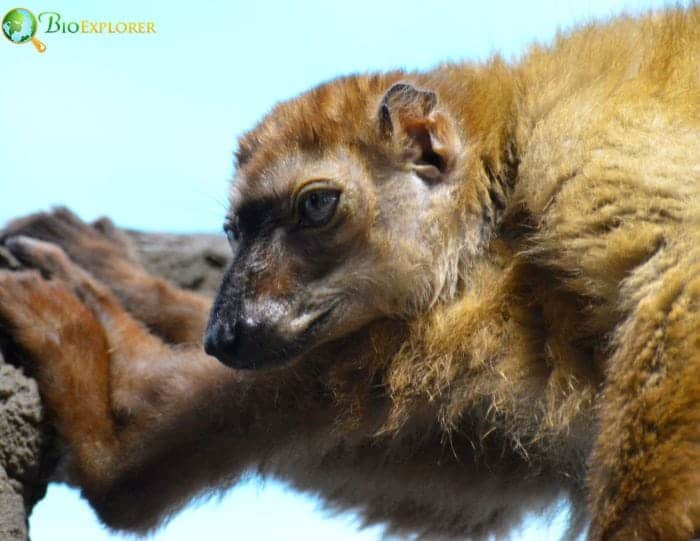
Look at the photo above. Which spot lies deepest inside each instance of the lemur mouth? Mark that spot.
(263, 347)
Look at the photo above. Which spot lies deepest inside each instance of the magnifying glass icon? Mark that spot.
(19, 26)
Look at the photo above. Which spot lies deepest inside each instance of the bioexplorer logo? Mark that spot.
(19, 25)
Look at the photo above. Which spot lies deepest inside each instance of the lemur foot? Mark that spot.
(95, 247)
(52, 262)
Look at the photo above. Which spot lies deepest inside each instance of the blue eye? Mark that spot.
(232, 232)
(316, 208)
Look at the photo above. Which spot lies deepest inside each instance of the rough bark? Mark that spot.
(27, 448)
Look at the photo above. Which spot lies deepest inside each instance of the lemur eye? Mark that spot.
(232, 232)
(317, 207)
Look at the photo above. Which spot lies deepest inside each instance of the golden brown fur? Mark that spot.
(518, 269)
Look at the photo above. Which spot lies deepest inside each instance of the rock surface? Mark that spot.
(26, 455)
(190, 261)
(22, 440)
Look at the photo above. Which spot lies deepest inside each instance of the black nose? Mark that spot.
(219, 340)
(246, 344)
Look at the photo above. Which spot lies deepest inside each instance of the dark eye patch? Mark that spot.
(259, 216)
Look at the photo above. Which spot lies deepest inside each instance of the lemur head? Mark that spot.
(347, 206)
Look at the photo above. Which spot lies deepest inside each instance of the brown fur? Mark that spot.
(517, 261)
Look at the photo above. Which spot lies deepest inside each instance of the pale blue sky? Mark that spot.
(142, 128)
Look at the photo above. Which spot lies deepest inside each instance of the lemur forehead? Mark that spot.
(343, 109)
(276, 180)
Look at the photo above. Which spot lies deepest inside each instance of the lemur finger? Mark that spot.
(53, 226)
(91, 246)
(46, 257)
(107, 228)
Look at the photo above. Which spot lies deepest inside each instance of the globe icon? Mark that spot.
(19, 26)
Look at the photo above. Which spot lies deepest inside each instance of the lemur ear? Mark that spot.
(425, 136)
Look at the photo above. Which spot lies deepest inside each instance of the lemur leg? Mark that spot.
(148, 425)
(70, 355)
(177, 315)
(125, 337)
(645, 476)
(135, 355)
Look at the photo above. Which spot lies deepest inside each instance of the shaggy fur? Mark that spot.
(511, 280)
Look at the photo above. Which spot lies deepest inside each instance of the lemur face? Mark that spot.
(339, 213)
